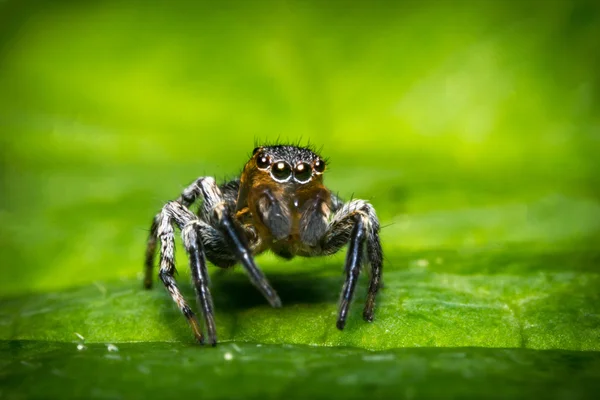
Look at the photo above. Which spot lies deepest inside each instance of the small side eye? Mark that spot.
(302, 172)
(263, 161)
(319, 166)
(281, 171)
(256, 149)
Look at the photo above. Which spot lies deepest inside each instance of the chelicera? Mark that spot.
(279, 203)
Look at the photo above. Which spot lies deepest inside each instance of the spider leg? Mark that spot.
(150, 251)
(193, 244)
(355, 223)
(240, 248)
(193, 231)
(353, 264)
(202, 187)
(375, 257)
(217, 213)
(167, 267)
(220, 234)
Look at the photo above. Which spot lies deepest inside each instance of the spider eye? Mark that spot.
(319, 166)
(302, 172)
(281, 171)
(263, 161)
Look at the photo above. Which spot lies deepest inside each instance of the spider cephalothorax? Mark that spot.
(280, 204)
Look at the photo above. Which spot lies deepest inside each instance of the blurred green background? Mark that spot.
(472, 126)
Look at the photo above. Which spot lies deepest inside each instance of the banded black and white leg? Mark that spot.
(219, 236)
(174, 211)
(204, 188)
(356, 223)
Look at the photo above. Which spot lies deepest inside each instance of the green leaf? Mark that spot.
(432, 303)
(470, 126)
(141, 370)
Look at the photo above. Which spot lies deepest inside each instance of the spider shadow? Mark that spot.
(233, 291)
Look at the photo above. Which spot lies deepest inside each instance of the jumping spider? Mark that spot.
(280, 204)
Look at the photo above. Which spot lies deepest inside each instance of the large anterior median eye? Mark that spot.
(263, 161)
(281, 171)
(302, 172)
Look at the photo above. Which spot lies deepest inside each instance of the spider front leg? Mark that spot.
(202, 187)
(150, 252)
(192, 239)
(164, 230)
(356, 223)
(195, 234)
(220, 235)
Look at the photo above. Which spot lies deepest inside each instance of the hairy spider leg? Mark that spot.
(187, 197)
(193, 244)
(223, 245)
(191, 233)
(243, 253)
(375, 257)
(353, 264)
(215, 209)
(194, 234)
(216, 213)
(150, 252)
(354, 223)
(166, 235)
